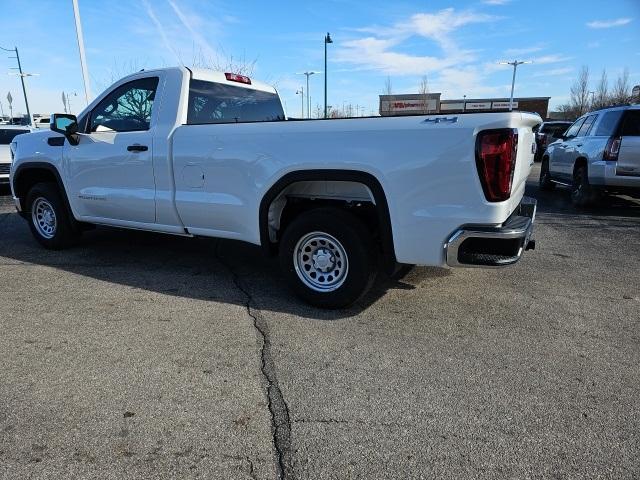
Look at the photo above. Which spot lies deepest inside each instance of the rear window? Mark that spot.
(7, 135)
(555, 129)
(630, 124)
(217, 103)
(608, 123)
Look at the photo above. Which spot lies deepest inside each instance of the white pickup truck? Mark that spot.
(202, 153)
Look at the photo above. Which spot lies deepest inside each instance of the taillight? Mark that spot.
(496, 152)
(612, 149)
(234, 77)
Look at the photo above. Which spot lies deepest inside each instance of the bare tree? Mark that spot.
(388, 88)
(224, 62)
(621, 93)
(580, 92)
(424, 85)
(601, 98)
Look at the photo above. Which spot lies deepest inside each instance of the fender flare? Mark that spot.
(25, 168)
(367, 179)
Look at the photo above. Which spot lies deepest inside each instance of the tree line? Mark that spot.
(585, 97)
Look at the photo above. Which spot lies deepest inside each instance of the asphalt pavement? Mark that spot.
(135, 355)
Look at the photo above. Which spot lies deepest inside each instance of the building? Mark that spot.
(422, 104)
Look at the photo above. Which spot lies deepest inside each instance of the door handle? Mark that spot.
(137, 148)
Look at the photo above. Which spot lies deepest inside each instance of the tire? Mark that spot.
(545, 184)
(581, 191)
(48, 217)
(328, 257)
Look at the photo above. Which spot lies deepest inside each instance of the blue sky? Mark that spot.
(455, 44)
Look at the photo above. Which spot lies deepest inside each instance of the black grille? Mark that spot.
(4, 168)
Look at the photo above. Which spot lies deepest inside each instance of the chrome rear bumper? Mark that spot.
(483, 246)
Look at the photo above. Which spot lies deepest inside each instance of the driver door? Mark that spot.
(110, 171)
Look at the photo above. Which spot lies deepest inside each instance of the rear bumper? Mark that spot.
(488, 246)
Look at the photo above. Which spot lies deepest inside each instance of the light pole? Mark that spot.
(327, 39)
(83, 59)
(301, 93)
(515, 64)
(464, 103)
(308, 74)
(593, 99)
(22, 75)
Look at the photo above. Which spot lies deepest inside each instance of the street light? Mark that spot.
(301, 93)
(22, 75)
(327, 39)
(308, 74)
(515, 64)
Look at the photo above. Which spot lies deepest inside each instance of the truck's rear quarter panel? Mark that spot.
(426, 169)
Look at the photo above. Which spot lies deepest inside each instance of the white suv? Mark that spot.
(600, 152)
(7, 134)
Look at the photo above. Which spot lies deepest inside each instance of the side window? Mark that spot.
(584, 129)
(126, 109)
(573, 129)
(630, 124)
(608, 123)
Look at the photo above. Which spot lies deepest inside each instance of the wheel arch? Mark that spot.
(356, 176)
(29, 173)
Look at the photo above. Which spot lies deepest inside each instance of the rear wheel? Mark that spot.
(48, 218)
(545, 182)
(328, 257)
(581, 191)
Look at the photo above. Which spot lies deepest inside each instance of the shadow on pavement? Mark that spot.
(558, 201)
(198, 268)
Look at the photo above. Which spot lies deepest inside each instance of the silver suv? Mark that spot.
(599, 153)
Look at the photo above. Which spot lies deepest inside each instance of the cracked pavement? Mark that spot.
(135, 355)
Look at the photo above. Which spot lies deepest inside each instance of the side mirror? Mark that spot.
(65, 124)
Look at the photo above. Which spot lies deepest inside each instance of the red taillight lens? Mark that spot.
(612, 149)
(496, 152)
(234, 77)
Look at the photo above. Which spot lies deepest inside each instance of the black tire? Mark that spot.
(339, 230)
(581, 192)
(53, 234)
(545, 184)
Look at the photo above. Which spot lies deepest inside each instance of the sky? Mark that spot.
(456, 44)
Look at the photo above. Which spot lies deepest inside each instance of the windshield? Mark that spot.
(7, 135)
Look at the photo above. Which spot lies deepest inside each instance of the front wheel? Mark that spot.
(328, 257)
(48, 218)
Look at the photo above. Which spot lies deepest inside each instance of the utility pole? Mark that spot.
(83, 59)
(21, 74)
(301, 93)
(327, 39)
(515, 64)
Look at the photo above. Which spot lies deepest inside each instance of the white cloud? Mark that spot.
(379, 52)
(618, 22)
(515, 52)
(191, 24)
(496, 2)
(545, 59)
(160, 29)
(554, 72)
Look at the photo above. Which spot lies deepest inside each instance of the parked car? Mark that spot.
(7, 134)
(200, 153)
(599, 153)
(41, 122)
(547, 133)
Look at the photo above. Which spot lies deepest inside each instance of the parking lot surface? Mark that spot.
(136, 355)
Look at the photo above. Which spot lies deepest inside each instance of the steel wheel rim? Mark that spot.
(321, 262)
(44, 218)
